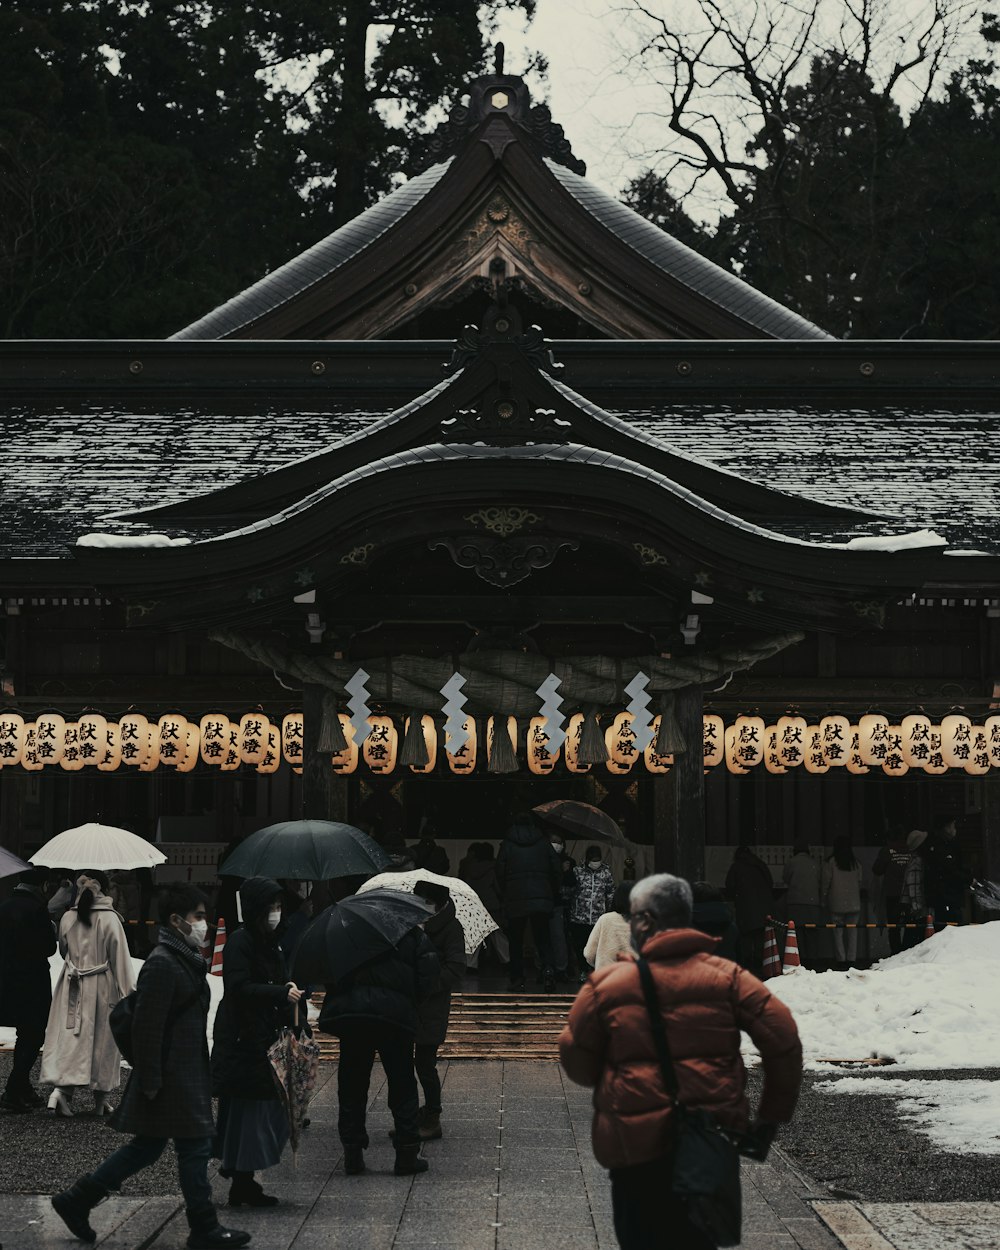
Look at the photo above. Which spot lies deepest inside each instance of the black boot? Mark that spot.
(208, 1234)
(246, 1192)
(408, 1161)
(74, 1205)
(354, 1160)
(16, 1101)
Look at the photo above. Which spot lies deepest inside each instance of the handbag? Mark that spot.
(706, 1164)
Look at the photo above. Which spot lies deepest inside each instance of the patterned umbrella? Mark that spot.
(98, 846)
(294, 1060)
(472, 915)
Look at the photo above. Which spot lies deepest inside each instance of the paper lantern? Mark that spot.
(935, 764)
(729, 741)
(894, 764)
(713, 735)
(151, 760)
(173, 736)
(992, 730)
(253, 740)
(571, 747)
(619, 738)
(71, 760)
(956, 740)
(29, 754)
(111, 756)
(792, 741)
(11, 738)
(231, 760)
(749, 740)
(815, 759)
(213, 731)
(381, 746)
(293, 737)
(541, 760)
(346, 761)
(835, 738)
(191, 749)
(855, 764)
(133, 727)
(978, 763)
(873, 738)
(429, 730)
(464, 759)
(772, 760)
(49, 737)
(655, 763)
(915, 738)
(92, 731)
(271, 759)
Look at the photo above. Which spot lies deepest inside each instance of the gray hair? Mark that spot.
(667, 898)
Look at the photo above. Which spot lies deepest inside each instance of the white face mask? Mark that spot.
(274, 918)
(198, 935)
(558, 847)
(594, 864)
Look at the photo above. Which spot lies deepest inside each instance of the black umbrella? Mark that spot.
(359, 928)
(582, 820)
(306, 850)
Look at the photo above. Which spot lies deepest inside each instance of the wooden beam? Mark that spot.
(520, 609)
(679, 797)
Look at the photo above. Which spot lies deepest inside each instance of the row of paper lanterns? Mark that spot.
(172, 741)
(875, 742)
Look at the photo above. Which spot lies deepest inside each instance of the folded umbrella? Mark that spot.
(11, 864)
(354, 931)
(98, 846)
(475, 920)
(306, 850)
(582, 820)
(294, 1059)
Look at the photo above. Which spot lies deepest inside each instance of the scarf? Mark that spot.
(167, 937)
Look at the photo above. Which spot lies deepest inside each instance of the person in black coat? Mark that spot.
(448, 938)
(529, 876)
(373, 1010)
(946, 875)
(712, 915)
(27, 940)
(169, 1094)
(259, 1001)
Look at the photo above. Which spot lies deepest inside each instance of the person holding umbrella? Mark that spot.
(448, 937)
(27, 939)
(378, 965)
(80, 1050)
(259, 1000)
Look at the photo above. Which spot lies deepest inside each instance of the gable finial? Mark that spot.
(498, 59)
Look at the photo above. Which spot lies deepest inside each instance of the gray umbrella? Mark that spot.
(10, 865)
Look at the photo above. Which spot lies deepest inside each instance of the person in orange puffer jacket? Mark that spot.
(607, 1044)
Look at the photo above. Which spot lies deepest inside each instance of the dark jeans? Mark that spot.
(30, 1037)
(752, 951)
(425, 1060)
(579, 937)
(515, 927)
(647, 1215)
(358, 1049)
(193, 1154)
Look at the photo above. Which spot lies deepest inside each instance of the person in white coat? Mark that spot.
(611, 936)
(80, 1050)
(842, 891)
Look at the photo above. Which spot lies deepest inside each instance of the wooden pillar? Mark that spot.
(317, 775)
(991, 828)
(679, 805)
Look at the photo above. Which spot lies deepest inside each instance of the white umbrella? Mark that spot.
(472, 915)
(98, 846)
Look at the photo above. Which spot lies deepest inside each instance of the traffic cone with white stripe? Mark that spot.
(792, 960)
(929, 926)
(220, 943)
(772, 960)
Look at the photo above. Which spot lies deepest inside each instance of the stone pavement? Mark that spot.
(514, 1172)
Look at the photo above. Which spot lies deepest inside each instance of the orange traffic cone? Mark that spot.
(220, 942)
(772, 961)
(929, 927)
(792, 960)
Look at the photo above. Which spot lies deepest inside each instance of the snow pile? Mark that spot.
(935, 1006)
(897, 542)
(131, 540)
(959, 1116)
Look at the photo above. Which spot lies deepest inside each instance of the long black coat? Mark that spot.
(529, 873)
(386, 991)
(448, 939)
(27, 939)
(171, 1051)
(254, 1009)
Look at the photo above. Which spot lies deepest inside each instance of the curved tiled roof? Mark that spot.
(315, 263)
(684, 264)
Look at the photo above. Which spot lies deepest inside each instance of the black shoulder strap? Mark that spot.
(656, 1023)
